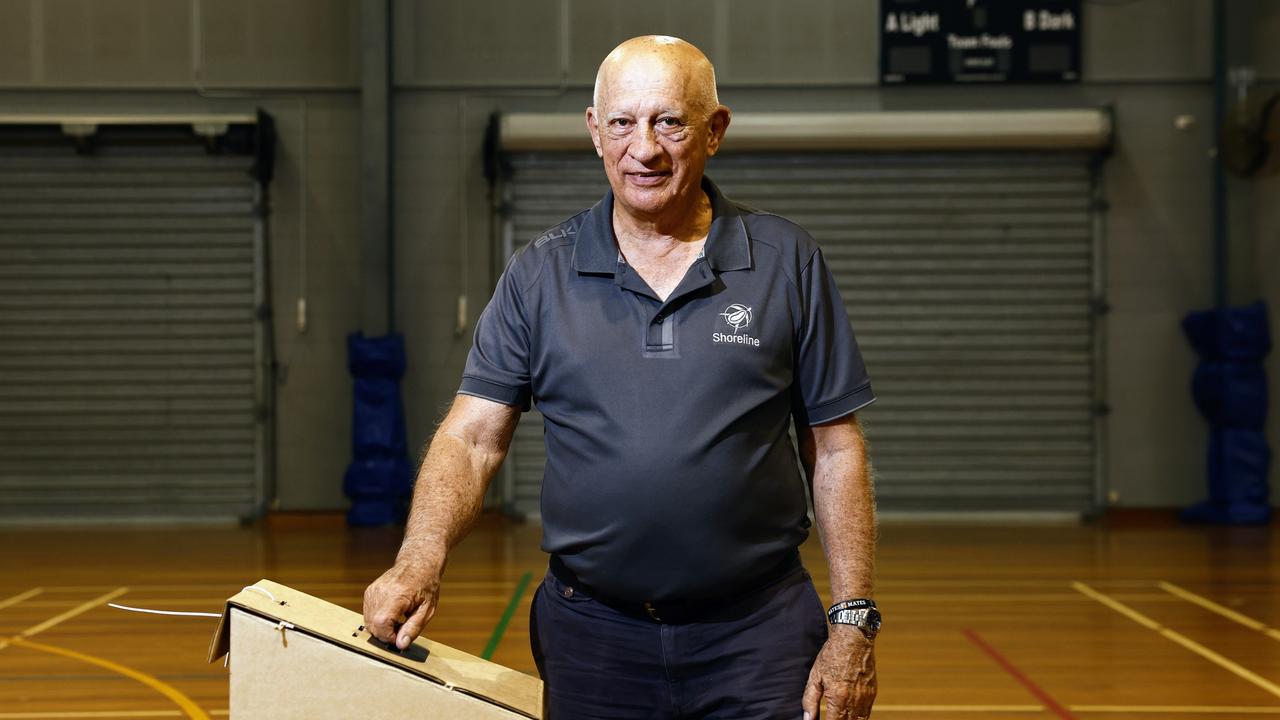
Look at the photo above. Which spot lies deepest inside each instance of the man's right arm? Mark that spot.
(463, 457)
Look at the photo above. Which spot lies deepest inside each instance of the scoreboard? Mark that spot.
(979, 41)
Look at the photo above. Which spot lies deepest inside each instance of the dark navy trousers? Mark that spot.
(747, 659)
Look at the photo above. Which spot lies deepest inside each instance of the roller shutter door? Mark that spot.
(129, 345)
(969, 278)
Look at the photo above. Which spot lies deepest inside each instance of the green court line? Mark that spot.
(501, 627)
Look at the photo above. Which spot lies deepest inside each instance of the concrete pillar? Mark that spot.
(376, 309)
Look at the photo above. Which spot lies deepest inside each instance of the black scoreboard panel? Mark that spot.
(957, 41)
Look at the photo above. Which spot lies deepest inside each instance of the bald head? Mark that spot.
(658, 58)
(655, 121)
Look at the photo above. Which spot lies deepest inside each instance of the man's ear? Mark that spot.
(716, 126)
(594, 129)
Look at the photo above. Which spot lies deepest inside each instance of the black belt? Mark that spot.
(684, 611)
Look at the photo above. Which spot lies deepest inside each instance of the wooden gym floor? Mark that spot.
(1145, 620)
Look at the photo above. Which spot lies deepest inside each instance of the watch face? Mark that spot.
(873, 620)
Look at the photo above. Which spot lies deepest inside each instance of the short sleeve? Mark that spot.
(831, 379)
(498, 365)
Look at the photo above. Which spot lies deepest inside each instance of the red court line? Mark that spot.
(1026, 682)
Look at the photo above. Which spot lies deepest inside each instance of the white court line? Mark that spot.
(1222, 610)
(1186, 642)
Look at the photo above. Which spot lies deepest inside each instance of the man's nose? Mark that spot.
(645, 147)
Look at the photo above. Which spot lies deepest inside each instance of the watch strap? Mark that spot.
(855, 604)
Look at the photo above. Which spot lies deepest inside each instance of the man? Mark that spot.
(670, 337)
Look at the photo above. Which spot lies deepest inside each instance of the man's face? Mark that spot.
(654, 136)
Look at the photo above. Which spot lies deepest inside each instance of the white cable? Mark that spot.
(163, 612)
(264, 591)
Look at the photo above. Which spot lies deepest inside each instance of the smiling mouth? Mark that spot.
(648, 178)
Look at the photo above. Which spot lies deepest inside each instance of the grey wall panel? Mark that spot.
(442, 249)
(752, 42)
(803, 42)
(1158, 267)
(1147, 40)
(282, 43)
(1266, 48)
(597, 27)
(497, 42)
(168, 43)
(969, 280)
(315, 250)
(15, 42)
(512, 42)
(118, 43)
(127, 346)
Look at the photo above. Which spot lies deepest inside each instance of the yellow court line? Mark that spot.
(1118, 606)
(20, 597)
(1100, 709)
(1180, 709)
(192, 710)
(90, 714)
(215, 603)
(77, 610)
(1222, 610)
(235, 585)
(960, 708)
(1181, 639)
(1117, 709)
(104, 714)
(1002, 583)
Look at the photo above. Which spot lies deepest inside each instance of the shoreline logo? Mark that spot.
(738, 318)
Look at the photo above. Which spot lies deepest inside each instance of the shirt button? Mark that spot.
(568, 592)
(659, 319)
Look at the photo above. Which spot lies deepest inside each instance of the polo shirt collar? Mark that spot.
(728, 246)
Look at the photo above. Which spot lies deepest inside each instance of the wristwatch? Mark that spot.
(860, 613)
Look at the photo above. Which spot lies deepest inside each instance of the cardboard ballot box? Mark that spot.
(296, 656)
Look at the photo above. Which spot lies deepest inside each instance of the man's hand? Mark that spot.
(401, 602)
(845, 673)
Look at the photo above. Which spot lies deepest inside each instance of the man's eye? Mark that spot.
(620, 122)
(670, 123)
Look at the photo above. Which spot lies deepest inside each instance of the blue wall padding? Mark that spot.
(372, 478)
(379, 478)
(377, 425)
(1230, 390)
(1237, 334)
(1231, 394)
(1239, 461)
(376, 357)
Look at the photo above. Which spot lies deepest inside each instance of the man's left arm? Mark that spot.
(834, 456)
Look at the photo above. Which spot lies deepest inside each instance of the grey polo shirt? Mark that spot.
(670, 474)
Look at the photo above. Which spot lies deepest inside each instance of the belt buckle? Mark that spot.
(653, 612)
